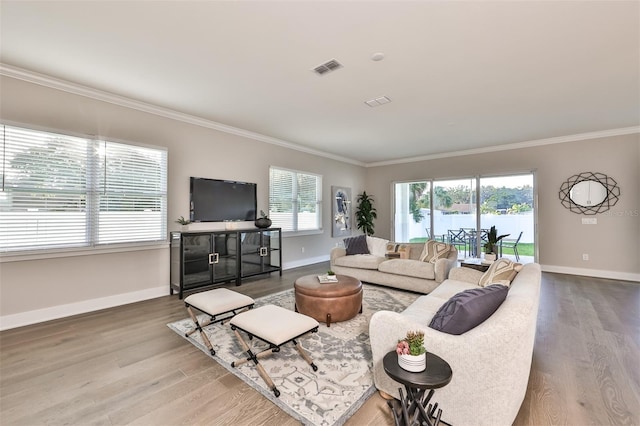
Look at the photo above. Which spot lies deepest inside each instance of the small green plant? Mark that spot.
(182, 221)
(413, 344)
(492, 240)
(330, 272)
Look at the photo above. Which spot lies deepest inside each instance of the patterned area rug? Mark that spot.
(342, 353)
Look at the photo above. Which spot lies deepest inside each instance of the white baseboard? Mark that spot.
(55, 312)
(598, 273)
(305, 262)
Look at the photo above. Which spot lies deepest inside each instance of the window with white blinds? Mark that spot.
(60, 191)
(295, 200)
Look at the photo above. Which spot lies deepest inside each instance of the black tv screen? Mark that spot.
(216, 200)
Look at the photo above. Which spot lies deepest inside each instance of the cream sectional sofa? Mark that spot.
(407, 274)
(490, 362)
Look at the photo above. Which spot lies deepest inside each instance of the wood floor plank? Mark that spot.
(123, 366)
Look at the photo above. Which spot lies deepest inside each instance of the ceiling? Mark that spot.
(460, 75)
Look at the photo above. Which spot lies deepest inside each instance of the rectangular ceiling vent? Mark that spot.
(327, 67)
(378, 101)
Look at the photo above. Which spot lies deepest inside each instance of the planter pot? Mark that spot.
(413, 363)
(184, 227)
(263, 222)
(490, 257)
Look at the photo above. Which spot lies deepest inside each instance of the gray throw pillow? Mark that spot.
(468, 309)
(356, 245)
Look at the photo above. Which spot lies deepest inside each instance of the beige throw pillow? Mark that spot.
(404, 250)
(434, 250)
(502, 271)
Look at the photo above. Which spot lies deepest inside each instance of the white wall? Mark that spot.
(613, 244)
(46, 288)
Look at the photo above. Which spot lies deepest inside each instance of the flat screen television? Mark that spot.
(216, 200)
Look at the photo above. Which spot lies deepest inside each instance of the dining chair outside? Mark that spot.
(512, 244)
(457, 238)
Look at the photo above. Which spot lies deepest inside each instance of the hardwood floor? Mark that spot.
(124, 366)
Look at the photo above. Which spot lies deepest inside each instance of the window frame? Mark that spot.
(294, 229)
(91, 243)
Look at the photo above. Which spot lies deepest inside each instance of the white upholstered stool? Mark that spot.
(220, 301)
(275, 326)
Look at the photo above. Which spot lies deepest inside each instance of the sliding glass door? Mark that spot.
(447, 210)
(506, 202)
(412, 220)
(454, 212)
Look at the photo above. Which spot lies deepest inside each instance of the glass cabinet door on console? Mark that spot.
(224, 257)
(260, 252)
(196, 249)
(202, 258)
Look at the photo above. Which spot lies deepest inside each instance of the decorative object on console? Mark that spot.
(184, 222)
(365, 213)
(342, 222)
(263, 221)
(412, 356)
(589, 193)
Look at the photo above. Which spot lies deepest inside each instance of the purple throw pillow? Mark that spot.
(468, 309)
(356, 245)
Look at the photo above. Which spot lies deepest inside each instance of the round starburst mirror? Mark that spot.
(589, 193)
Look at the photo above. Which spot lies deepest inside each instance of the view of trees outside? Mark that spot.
(62, 190)
(293, 200)
(505, 202)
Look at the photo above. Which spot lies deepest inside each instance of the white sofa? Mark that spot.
(406, 274)
(490, 362)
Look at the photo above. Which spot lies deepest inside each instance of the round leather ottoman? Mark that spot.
(329, 302)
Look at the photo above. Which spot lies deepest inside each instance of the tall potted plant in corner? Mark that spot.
(492, 242)
(365, 213)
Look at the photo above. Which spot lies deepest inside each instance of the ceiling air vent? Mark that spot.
(327, 67)
(378, 101)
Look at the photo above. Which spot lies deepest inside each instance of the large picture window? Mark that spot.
(60, 191)
(295, 200)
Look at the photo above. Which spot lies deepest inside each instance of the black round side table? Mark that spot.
(415, 408)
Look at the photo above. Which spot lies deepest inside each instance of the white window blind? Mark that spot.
(61, 191)
(295, 200)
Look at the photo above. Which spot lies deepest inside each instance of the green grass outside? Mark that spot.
(524, 249)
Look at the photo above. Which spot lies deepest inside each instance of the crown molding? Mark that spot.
(89, 92)
(517, 145)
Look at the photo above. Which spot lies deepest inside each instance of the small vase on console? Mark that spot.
(263, 221)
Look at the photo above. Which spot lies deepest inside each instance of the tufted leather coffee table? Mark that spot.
(328, 302)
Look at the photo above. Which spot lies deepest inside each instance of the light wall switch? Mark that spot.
(589, 221)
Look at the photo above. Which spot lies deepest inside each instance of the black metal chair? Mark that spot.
(512, 244)
(457, 238)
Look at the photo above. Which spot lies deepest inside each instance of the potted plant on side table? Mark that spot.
(412, 356)
(490, 246)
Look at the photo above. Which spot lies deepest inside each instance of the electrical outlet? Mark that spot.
(585, 256)
(302, 249)
(589, 221)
